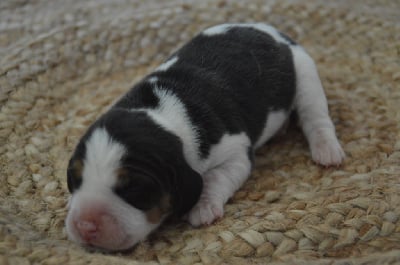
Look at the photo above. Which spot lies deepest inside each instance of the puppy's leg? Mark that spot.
(312, 108)
(219, 184)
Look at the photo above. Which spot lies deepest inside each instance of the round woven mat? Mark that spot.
(62, 63)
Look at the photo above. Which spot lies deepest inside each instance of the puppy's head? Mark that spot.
(126, 176)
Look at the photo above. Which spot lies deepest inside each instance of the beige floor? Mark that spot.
(62, 62)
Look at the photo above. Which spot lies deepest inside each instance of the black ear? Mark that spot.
(138, 189)
(189, 185)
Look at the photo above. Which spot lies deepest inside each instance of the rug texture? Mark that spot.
(63, 62)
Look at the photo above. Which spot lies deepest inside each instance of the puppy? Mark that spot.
(181, 141)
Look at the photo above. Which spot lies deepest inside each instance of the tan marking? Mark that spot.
(122, 177)
(165, 203)
(77, 167)
(122, 172)
(155, 214)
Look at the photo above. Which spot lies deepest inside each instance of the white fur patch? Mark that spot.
(228, 149)
(152, 79)
(223, 28)
(165, 66)
(225, 170)
(273, 123)
(219, 29)
(171, 114)
(103, 155)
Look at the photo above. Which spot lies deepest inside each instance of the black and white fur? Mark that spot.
(184, 137)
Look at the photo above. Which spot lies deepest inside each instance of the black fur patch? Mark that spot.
(229, 82)
(138, 98)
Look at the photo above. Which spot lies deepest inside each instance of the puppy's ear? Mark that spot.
(189, 187)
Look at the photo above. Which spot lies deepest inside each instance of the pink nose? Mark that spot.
(95, 225)
(88, 230)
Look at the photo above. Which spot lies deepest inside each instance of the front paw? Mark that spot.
(205, 213)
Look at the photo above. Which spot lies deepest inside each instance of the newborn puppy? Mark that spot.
(181, 141)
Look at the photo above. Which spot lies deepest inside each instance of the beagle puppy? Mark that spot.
(182, 140)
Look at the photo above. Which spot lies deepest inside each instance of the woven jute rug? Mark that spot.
(62, 63)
